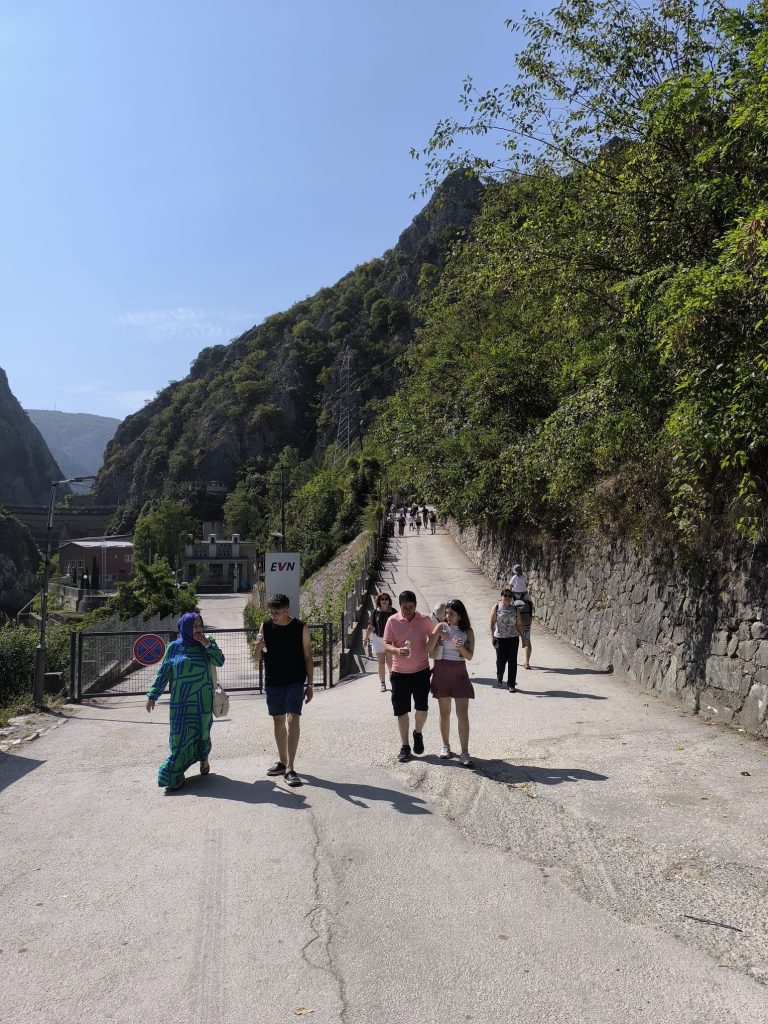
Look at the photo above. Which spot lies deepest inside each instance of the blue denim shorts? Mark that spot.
(285, 700)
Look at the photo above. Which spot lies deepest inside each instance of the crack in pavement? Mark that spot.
(317, 952)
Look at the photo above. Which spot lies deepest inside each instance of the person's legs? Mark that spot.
(514, 644)
(462, 713)
(380, 660)
(281, 738)
(404, 725)
(401, 705)
(527, 650)
(501, 659)
(292, 745)
(445, 719)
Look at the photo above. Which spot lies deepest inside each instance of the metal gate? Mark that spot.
(103, 664)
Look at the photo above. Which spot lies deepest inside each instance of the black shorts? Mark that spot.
(410, 684)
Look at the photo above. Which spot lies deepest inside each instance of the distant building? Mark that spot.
(217, 565)
(106, 560)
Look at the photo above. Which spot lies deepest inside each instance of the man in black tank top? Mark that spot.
(285, 645)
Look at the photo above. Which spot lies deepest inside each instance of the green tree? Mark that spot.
(162, 531)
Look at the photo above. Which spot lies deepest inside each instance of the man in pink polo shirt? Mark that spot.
(408, 636)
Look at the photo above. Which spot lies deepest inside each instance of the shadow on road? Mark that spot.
(576, 671)
(13, 768)
(561, 693)
(517, 774)
(483, 681)
(358, 794)
(219, 787)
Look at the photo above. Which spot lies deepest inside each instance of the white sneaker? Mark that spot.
(446, 751)
(465, 759)
(383, 687)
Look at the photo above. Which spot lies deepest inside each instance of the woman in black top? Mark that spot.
(375, 633)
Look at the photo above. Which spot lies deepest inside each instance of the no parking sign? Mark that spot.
(149, 649)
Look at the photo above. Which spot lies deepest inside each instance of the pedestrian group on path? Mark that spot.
(404, 642)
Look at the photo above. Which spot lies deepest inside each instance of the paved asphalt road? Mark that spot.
(604, 861)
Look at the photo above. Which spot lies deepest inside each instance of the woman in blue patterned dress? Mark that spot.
(187, 666)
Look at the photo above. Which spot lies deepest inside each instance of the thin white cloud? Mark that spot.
(181, 322)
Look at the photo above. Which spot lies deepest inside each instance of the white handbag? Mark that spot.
(220, 697)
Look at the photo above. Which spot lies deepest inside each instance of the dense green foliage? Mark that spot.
(163, 529)
(595, 355)
(17, 657)
(152, 591)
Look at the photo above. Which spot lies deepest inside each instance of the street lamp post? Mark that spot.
(40, 653)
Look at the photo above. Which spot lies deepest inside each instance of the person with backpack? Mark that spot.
(432, 521)
(524, 606)
(506, 629)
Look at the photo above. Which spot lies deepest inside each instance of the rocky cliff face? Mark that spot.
(19, 562)
(26, 465)
(281, 382)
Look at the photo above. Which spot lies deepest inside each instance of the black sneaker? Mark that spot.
(512, 688)
(418, 743)
(405, 753)
(278, 768)
(292, 779)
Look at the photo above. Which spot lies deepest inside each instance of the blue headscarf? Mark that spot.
(186, 624)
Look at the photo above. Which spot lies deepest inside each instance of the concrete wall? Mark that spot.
(697, 634)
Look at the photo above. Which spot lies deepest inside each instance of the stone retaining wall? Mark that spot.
(698, 636)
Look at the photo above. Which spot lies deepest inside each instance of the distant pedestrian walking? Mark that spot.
(286, 647)
(518, 582)
(408, 636)
(417, 522)
(524, 607)
(450, 679)
(375, 634)
(401, 524)
(432, 522)
(506, 630)
(187, 667)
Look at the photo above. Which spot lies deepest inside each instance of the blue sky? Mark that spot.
(173, 171)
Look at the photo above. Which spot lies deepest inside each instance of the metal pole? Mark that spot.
(282, 511)
(40, 653)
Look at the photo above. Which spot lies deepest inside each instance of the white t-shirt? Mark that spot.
(519, 583)
(451, 639)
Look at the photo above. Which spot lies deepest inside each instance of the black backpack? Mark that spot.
(525, 610)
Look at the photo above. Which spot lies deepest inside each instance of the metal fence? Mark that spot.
(103, 664)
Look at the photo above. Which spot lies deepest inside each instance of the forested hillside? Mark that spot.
(76, 439)
(273, 396)
(595, 356)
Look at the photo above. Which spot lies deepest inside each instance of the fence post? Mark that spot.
(330, 655)
(72, 659)
(79, 681)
